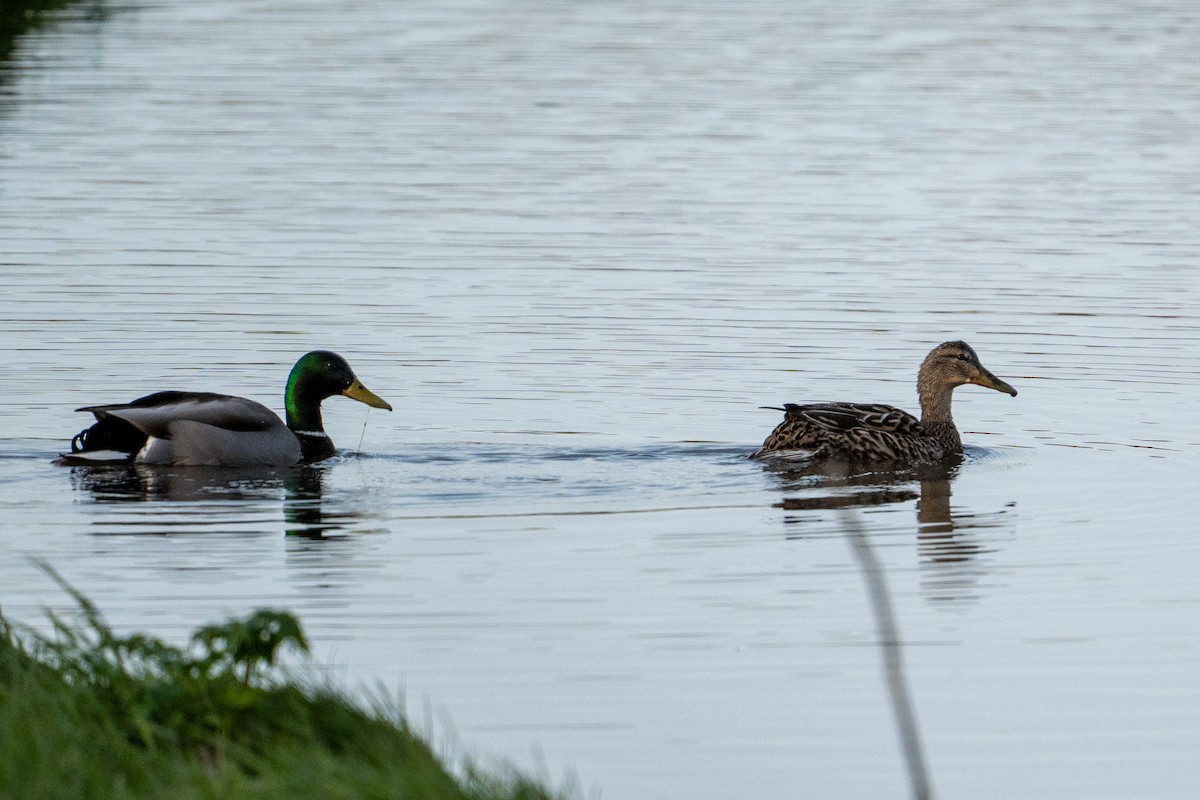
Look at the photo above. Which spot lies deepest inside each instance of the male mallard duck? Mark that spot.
(203, 429)
(866, 432)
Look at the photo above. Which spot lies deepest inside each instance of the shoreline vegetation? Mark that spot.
(85, 712)
(20, 16)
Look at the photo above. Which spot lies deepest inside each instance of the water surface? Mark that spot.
(577, 247)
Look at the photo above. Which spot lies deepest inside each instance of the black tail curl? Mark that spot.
(109, 433)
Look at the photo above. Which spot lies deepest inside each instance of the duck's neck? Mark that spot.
(936, 418)
(304, 419)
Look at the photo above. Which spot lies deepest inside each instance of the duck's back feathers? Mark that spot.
(845, 417)
(155, 413)
(865, 431)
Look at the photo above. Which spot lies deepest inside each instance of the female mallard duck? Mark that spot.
(864, 432)
(217, 430)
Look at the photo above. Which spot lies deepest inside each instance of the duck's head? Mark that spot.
(322, 374)
(952, 364)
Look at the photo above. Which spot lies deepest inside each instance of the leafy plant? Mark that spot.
(87, 712)
(182, 696)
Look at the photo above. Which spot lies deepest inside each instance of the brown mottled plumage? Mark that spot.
(867, 432)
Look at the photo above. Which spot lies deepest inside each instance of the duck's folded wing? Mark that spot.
(155, 414)
(846, 417)
(196, 444)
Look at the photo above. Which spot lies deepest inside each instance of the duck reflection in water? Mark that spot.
(304, 511)
(948, 542)
(123, 483)
(197, 492)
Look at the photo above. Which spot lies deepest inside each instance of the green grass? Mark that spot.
(85, 713)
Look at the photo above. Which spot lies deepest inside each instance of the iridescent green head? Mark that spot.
(318, 375)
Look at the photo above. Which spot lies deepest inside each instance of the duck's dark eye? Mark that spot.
(961, 356)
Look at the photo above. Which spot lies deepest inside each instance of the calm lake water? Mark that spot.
(577, 246)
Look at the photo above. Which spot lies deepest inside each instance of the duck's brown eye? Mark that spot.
(961, 356)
